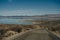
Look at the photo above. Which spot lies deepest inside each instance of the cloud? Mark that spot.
(22, 12)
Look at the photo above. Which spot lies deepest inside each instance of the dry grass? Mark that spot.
(9, 29)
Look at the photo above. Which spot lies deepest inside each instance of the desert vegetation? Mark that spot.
(7, 30)
(52, 25)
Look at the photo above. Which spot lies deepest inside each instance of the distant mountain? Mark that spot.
(53, 17)
(43, 17)
(50, 16)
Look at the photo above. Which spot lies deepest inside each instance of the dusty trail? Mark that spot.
(31, 35)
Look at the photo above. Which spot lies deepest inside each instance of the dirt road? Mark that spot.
(32, 35)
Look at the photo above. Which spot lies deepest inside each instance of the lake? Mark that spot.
(13, 21)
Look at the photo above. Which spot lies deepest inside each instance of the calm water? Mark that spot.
(13, 21)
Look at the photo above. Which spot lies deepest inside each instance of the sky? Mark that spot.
(29, 7)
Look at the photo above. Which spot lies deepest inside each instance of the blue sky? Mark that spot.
(29, 7)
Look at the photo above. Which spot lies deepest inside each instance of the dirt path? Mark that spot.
(32, 35)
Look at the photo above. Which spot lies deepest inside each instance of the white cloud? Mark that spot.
(21, 12)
